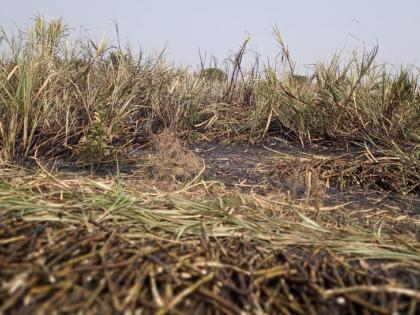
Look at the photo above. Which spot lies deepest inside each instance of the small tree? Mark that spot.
(214, 74)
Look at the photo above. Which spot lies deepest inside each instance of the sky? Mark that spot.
(312, 30)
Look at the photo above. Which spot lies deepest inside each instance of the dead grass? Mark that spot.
(367, 169)
(107, 245)
(172, 159)
(93, 103)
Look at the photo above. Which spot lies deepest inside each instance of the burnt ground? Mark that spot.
(270, 168)
(256, 168)
(266, 168)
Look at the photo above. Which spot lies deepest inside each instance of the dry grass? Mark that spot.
(92, 102)
(164, 240)
(367, 169)
(173, 158)
(98, 244)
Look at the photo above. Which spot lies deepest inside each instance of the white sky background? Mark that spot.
(313, 30)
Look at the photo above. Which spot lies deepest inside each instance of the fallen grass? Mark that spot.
(365, 168)
(116, 211)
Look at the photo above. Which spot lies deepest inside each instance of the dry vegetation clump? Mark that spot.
(368, 169)
(301, 180)
(172, 159)
(373, 170)
(215, 74)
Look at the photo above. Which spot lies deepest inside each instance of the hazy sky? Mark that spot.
(313, 30)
